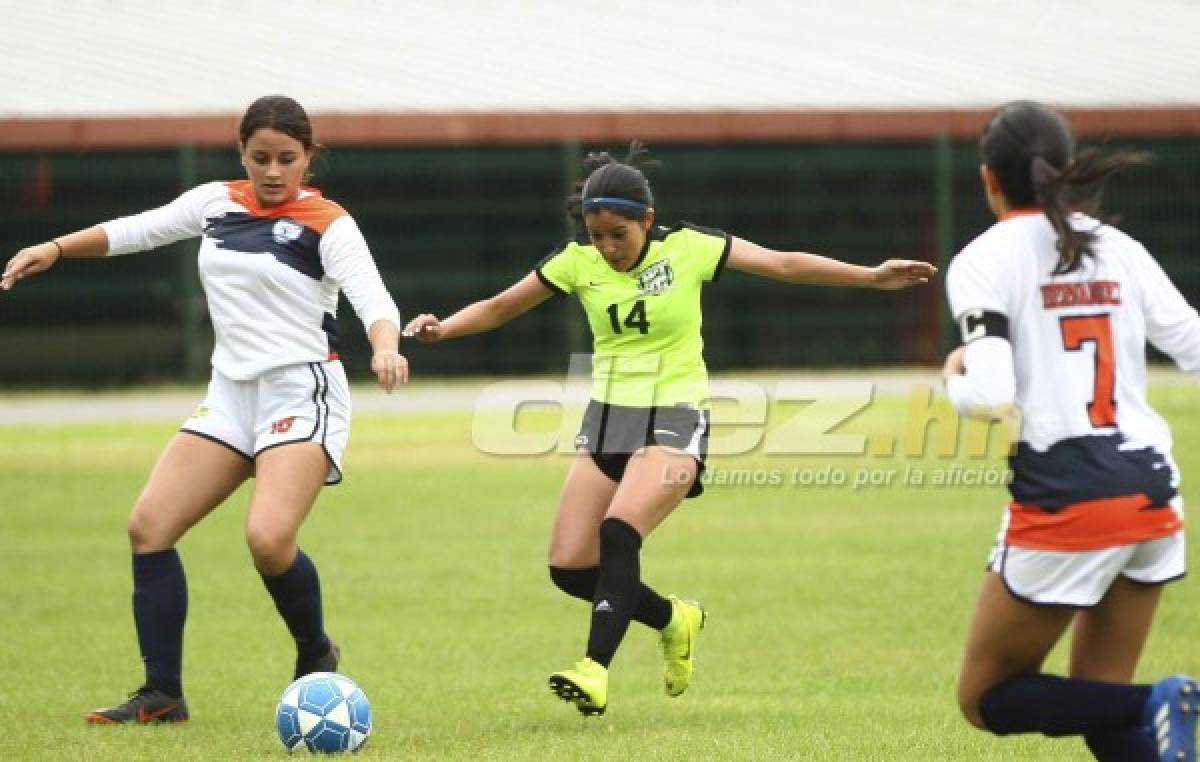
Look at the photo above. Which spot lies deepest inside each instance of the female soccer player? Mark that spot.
(639, 285)
(273, 257)
(1055, 309)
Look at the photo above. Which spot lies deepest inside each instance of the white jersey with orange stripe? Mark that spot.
(1069, 350)
(271, 275)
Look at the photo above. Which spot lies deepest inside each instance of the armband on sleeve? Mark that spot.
(978, 323)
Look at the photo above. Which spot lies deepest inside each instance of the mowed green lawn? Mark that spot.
(837, 615)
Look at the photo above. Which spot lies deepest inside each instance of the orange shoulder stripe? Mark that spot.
(311, 210)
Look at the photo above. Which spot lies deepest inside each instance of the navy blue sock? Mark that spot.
(617, 589)
(1061, 706)
(297, 595)
(652, 610)
(159, 609)
(1129, 745)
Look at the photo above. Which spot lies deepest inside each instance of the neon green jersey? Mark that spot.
(646, 344)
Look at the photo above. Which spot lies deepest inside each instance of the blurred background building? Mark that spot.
(455, 128)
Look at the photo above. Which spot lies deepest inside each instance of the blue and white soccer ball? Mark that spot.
(323, 712)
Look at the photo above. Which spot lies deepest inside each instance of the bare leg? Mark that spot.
(575, 542)
(286, 486)
(654, 484)
(586, 494)
(288, 482)
(192, 476)
(1007, 637)
(1109, 638)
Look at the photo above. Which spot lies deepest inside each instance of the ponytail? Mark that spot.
(1030, 149)
(1078, 187)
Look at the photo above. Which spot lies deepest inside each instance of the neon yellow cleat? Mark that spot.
(586, 687)
(679, 644)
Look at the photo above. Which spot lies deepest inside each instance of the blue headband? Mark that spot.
(612, 200)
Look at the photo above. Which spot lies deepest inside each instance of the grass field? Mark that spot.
(837, 615)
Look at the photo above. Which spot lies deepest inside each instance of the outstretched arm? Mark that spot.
(90, 242)
(179, 219)
(815, 270)
(482, 316)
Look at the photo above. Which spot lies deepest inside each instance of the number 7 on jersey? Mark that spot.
(1078, 330)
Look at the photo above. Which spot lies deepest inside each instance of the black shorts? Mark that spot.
(611, 433)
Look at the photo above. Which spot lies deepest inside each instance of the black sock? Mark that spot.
(617, 588)
(1129, 745)
(652, 610)
(159, 609)
(1061, 706)
(297, 594)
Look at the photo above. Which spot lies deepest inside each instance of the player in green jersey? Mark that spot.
(645, 432)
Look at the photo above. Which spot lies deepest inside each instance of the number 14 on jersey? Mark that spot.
(635, 319)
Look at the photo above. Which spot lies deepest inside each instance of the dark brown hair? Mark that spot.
(277, 112)
(1031, 150)
(622, 183)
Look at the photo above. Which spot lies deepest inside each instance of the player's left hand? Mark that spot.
(954, 363)
(902, 273)
(390, 368)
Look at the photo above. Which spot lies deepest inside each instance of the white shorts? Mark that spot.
(1082, 578)
(293, 403)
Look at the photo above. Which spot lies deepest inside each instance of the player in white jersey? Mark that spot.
(273, 257)
(1055, 310)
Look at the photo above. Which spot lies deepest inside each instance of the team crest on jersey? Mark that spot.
(656, 278)
(286, 231)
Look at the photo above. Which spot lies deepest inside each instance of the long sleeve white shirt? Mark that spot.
(271, 275)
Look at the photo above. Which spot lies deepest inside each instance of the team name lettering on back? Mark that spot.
(1055, 295)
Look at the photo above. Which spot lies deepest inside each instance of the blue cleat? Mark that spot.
(1170, 718)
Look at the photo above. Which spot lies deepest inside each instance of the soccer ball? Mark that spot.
(323, 712)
